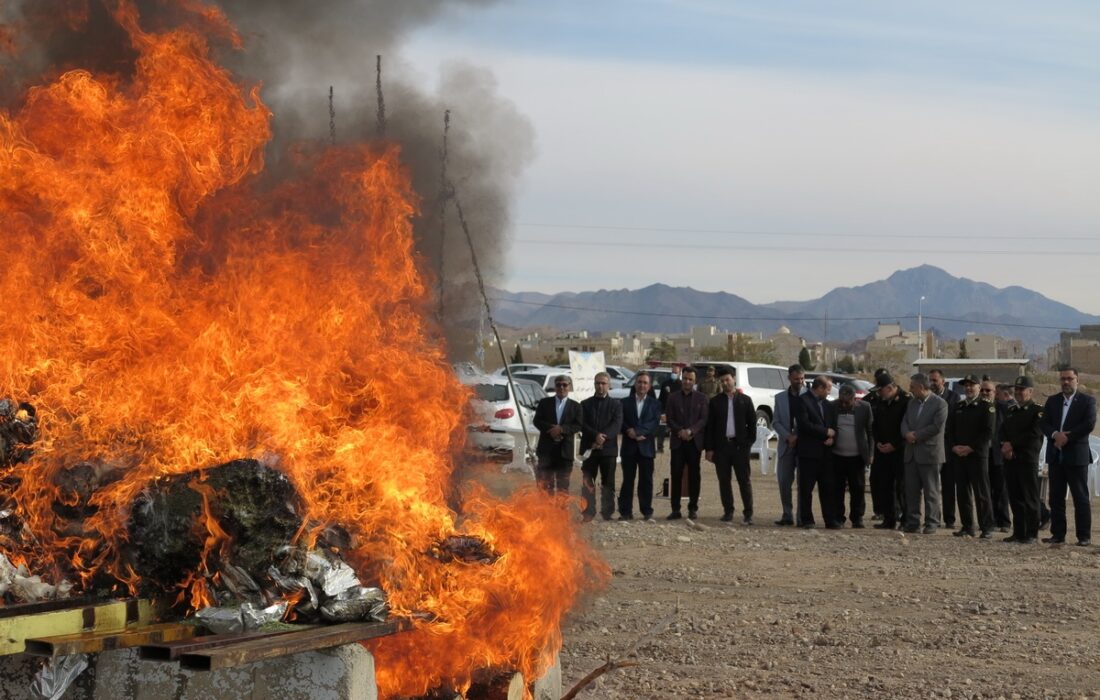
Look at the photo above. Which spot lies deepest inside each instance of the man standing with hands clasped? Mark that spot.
(557, 418)
(730, 433)
(641, 419)
(1068, 419)
(922, 428)
(686, 412)
(1021, 438)
(601, 419)
(970, 425)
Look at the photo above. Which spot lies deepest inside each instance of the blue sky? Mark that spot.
(831, 142)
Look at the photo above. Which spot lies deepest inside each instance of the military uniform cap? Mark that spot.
(1024, 382)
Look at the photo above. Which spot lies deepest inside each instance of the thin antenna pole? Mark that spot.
(331, 116)
(445, 194)
(381, 125)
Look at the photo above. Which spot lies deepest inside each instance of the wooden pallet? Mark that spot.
(228, 654)
(19, 623)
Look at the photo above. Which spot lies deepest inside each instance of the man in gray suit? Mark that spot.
(922, 428)
(783, 424)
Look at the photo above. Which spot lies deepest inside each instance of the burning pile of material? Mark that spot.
(189, 311)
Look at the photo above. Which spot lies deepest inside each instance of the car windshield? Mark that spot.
(492, 392)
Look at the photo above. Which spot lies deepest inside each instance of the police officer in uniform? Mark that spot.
(888, 407)
(1021, 438)
(970, 423)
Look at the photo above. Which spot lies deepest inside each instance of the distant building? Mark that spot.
(1080, 349)
(987, 345)
(787, 346)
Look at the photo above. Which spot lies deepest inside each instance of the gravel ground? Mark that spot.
(770, 612)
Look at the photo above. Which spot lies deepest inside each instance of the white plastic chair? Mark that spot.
(1094, 482)
(762, 448)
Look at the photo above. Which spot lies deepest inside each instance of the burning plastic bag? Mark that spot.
(356, 604)
(55, 677)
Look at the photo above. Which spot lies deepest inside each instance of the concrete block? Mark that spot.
(341, 673)
(549, 686)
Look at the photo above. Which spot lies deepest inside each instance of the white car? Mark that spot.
(518, 367)
(503, 416)
(543, 376)
(759, 382)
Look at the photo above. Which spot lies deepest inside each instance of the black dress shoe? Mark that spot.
(693, 515)
(884, 526)
(1054, 540)
(807, 526)
(674, 515)
(857, 524)
(911, 529)
(784, 523)
(747, 520)
(833, 526)
(987, 534)
(1028, 540)
(727, 517)
(1012, 538)
(1084, 543)
(963, 533)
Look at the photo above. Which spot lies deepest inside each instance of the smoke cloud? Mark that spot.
(295, 50)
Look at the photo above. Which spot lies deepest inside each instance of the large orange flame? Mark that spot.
(165, 312)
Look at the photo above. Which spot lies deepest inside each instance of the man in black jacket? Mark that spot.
(969, 431)
(728, 436)
(1020, 439)
(888, 471)
(558, 419)
(601, 420)
(816, 428)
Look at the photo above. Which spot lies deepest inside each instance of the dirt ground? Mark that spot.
(770, 612)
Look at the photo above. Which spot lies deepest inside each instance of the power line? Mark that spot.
(809, 234)
(783, 319)
(796, 249)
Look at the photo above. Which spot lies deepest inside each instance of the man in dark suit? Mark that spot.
(641, 419)
(686, 414)
(728, 436)
(601, 420)
(815, 424)
(558, 419)
(939, 388)
(1068, 420)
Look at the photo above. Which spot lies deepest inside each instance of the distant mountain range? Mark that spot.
(851, 312)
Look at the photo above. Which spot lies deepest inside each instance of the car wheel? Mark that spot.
(763, 420)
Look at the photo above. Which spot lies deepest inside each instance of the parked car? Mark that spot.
(503, 415)
(543, 376)
(757, 381)
(657, 378)
(619, 375)
(518, 367)
(861, 386)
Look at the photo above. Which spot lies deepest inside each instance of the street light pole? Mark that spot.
(920, 329)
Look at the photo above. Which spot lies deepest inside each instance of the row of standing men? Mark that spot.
(928, 444)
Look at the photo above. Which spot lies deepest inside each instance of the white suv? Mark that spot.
(759, 382)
